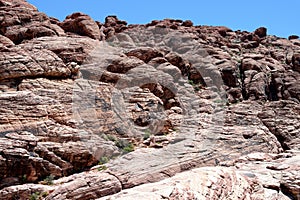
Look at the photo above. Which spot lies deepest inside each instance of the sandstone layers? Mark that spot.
(166, 110)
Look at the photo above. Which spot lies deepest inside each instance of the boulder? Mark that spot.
(261, 32)
(296, 62)
(81, 24)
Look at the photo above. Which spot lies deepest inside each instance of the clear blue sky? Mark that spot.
(282, 18)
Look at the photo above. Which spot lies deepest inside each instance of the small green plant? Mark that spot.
(128, 148)
(48, 180)
(239, 75)
(124, 145)
(35, 196)
(197, 86)
(146, 135)
(120, 143)
(103, 160)
(44, 194)
(111, 138)
(24, 178)
(222, 102)
(219, 101)
(191, 82)
(102, 167)
(197, 89)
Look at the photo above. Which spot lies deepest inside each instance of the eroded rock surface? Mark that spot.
(166, 110)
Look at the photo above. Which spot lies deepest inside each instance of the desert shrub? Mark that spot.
(35, 196)
(146, 135)
(103, 160)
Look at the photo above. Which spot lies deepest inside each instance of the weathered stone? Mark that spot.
(68, 48)
(124, 65)
(296, 62)
(163, 110)
(81, 24)
(145, 54)
(18, 63)
(113, 25)
(5, 42)
(261, 32)
(293, 37)
(187, 23)
(21, 21)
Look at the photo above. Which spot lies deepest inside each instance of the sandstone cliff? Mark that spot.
(165, 110)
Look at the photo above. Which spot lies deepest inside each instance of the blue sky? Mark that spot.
(282, 18)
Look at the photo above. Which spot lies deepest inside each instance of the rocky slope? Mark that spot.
(166, 110)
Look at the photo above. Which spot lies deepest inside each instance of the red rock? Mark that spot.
(123, 66)
(187, 23)
(113, 23)
(215, 97)
(145, 54)
(261, 32)
(81, 24)
(153, 23)
(17, 4)
(25, 24)
(5, 42)
(293, 37)
(296, 62)
(229, 76)
(223, 31)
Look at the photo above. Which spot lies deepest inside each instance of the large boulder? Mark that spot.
(81, 24)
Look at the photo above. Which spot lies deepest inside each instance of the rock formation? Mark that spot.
(166, 110)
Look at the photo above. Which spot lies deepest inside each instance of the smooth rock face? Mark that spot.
(166, 110)
(245, 180)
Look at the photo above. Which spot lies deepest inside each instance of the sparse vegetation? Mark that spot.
(146, 135)
(35, 196)
(128, 148)
(48, 180)
(103, 160)
(38, 195)
(221, 102)
(196, 86)
(120, 143)
(175, 129)
(44, 194)
(197, 89)
(124, 145)
(109, 138)
(24, 178)
(102, 167)
(192, 82)
(239, 75)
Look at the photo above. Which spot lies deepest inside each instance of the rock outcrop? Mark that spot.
(81, 24)
(21, 21)
(166, 110)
